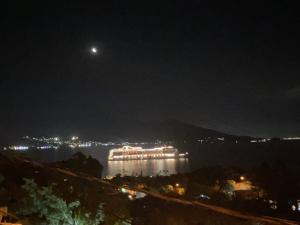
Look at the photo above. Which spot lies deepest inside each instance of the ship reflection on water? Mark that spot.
(153, 167)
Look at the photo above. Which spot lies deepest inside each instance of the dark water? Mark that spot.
(246, 156)
(134, 167)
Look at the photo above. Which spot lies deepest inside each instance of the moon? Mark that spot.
(94, 50)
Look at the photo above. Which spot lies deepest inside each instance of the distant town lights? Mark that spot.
(19, 147)
(291, 138)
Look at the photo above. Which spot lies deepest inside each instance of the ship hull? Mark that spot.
(127, 153)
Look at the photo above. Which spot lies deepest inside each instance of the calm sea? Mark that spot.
(163, 167)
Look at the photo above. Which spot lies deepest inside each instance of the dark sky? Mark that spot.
(229, 66)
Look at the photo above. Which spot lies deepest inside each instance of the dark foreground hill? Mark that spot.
(83, 164)
(157, 209)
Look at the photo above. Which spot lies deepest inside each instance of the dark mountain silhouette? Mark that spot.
(168, 130)
(114, 130)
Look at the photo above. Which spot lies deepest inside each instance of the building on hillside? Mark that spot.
(6, 217)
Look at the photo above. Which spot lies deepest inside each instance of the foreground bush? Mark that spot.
(53, 210)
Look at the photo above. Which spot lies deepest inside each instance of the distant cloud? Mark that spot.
(293, 92)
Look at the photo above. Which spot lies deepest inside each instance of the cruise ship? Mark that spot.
(139, 153)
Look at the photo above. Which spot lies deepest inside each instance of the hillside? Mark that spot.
(156, 209)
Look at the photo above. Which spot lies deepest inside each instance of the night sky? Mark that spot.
(229, 66)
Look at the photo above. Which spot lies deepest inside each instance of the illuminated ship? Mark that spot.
(139, 153)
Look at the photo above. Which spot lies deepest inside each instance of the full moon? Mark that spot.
(94, 50)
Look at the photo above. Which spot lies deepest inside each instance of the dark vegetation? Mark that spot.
(75, 181)
(69, 186)
(53, 210)
(81, 163)
(277, 182)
